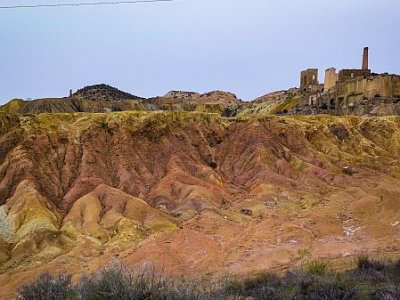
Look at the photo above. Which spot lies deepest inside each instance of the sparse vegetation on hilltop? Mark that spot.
(103, 91)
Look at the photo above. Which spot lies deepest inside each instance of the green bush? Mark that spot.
(315, 267)
(365, 263)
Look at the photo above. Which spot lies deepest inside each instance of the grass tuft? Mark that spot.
(315, 267)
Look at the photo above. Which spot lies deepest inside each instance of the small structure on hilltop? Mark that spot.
(349, 91)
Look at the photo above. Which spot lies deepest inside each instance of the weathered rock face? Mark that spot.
(213, 102)
(181, 95)
(193, 192)
(214, 97)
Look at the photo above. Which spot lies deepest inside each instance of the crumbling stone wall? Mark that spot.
(349, 74)
(308, 79)
(383, 86)
(330, 79)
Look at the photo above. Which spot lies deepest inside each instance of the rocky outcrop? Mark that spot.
(181, 95)
(214, 97)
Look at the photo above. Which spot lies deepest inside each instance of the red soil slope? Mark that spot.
(193, 193)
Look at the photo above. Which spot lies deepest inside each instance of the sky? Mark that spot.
(248, 47)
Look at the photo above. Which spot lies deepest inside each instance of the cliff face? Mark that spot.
(193, 192)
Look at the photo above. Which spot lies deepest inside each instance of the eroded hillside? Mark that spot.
(193, 192)
(102, 98)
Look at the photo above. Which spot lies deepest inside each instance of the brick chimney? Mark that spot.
(365, 59)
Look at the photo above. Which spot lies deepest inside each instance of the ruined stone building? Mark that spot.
(309, 81)
(350, 91)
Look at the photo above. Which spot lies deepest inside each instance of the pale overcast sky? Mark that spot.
(248, 47)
